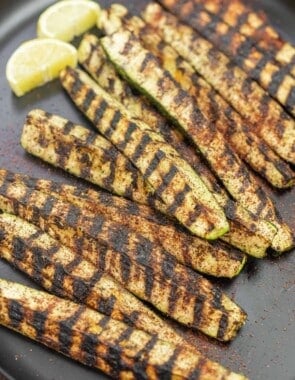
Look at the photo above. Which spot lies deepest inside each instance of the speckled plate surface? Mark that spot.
(265, 347)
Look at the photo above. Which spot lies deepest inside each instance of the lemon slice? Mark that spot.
(68, 18)
(38, 61)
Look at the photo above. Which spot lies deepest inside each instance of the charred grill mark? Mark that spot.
(173, 297)
(125, 267)
(125, 335)
(104, 321)
(196, 373)
(127, 47)
(73, 216)
(58, 280)
(65, 335)
(149, 282)
(99, 111)
(180, 97)
(113, 124)
(148, 57)
(110, 155)
(223, 324)
(88, 99)
(277, 80)
(198, 309)
(178, 199)
(144, 142)
(119, 239)
(18, 248)
(167, 179)
(106, 305)
(63, 152)
(263, 201)
(88, 347)
(68, 127)
(16, 313)
(131, 128)
(143, 250)
(291, 98)
(159, 155)
(76, 86)
(80, 290)
(96, 226)
(257, 70)
(243, 51)
(132, 318)
(48, 205)
(230, 209)
(164, 371)
(74, 263)
(264, 106)
(103, 251)
(217, 296)
(38, 322)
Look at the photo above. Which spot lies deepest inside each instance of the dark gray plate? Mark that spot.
(264, 349)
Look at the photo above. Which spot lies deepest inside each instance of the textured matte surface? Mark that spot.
(264, 349)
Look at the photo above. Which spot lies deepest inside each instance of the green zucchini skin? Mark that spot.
(99, 341)
(125, 51)
(172, 178)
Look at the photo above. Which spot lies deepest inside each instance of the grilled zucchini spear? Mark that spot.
(125, 51)
(100, 341)
(66, 274)
(247, 97)
(172, 178)
(217, 260)
(256, 27)
(269, 74)
(90, 156)
(249, 147)
(134, 261)
(241, 223)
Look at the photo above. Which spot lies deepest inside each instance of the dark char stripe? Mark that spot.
(96, 226)
(73, 216)
(99, 112)
(196, 373)
(131, 128)
(165, 370)
(277, 80)
(68, 127)
(113, 124)
(145, 140)
(38, 322)
(88, 347)
(178, 199)
(141, 359)
(18, 248)
(65, 335)
(156, 160)
(148, 57)
(88, 99)
(16, 313)
(198, 310)
(223, 324)
(173, 297)
(106, 305)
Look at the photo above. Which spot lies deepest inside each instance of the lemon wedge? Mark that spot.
(38, 61)
(68, 18)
